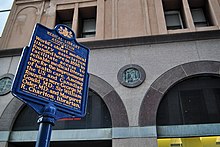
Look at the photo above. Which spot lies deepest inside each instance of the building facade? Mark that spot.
(154, 67)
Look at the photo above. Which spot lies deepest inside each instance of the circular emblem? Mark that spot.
(131, 75)
(5, 83)
(65, 32)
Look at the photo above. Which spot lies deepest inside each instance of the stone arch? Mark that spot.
(102, 88)
(152, 98)
(24, 23)
(10, 113)
(112, 100)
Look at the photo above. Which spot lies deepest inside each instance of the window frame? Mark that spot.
(199, 23)
(68, 21)
(174, 12)
(86, 13)
(90, 33)
(209, 128)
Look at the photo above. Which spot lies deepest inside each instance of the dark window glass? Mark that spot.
(97, 116)
(87, 22)
(88, 28)
(103, 143)
(193, 101)
(201, 13)
(65, 17)
(199, 18)
(174, 14)
(193, 106)
(173, 20)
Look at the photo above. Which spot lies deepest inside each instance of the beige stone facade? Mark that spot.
(114, 19)
(128, 32)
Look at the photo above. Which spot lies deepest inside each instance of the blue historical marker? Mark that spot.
(52, 77)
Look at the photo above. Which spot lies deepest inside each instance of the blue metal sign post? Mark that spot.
(52, 77)
(46, 122)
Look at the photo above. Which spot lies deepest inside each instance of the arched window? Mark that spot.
(97, 116)
(189, 114)
(92, 130)
(192, 101)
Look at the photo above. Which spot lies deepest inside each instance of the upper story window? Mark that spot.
(65, 17)
(200, 13)
(193, 101)
(173, 20)
(88, 28)
(188, 15)
(5, 9)
(199, 17)
(97, 116)
(173, 12)
(87, 22)
(84, 19)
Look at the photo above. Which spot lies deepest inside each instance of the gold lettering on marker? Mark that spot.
(55, 72)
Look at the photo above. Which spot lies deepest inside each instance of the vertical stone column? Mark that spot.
(215, 12)
(75, 18)
(41, 11)
(188, 17)
(114, 18)
(160, 17)
(146, 17)
(51, 15)
(100, 20)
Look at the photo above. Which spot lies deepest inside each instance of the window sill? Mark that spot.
(178, 31)
(197, 29)
(208, 28)
(85, 39)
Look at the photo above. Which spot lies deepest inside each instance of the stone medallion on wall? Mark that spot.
(5, 83)
(131, 75)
